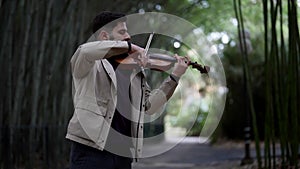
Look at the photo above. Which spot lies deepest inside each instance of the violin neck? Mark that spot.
(163, 57)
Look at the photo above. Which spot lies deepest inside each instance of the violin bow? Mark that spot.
(148, 46)
(148, 43)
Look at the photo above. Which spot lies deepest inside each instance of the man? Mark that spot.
(106, 129)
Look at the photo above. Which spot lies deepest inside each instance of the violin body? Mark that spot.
(153, 63)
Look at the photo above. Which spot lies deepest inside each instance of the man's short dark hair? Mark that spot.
(106, 17)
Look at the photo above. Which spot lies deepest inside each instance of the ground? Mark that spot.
(190, 154)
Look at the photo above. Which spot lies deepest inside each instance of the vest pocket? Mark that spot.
(100, 108)
(91, 123)
(91, 117)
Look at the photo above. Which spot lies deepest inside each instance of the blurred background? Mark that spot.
(257, 41)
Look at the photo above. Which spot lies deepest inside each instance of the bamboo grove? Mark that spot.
(39, 37)
(282, 84)
(37, 41)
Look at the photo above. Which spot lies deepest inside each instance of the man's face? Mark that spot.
(119, 32)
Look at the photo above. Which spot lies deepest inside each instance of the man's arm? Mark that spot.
(158, 97)
(86, 55)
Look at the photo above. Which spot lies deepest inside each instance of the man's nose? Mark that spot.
(127, 37)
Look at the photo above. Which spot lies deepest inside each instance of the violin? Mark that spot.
(162, 59)
(156, 61)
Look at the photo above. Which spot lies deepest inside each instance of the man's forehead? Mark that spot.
(121, 25)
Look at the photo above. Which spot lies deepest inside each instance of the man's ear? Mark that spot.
(103, 35)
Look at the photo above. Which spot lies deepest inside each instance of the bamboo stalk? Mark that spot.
(1, 3)
(249, 91)
(9, 40)
(10, 58)
(35, 37)
(58, 44)
(267, 128)
(37, 81)
(82, 21)
(282, 114)
(293, 75)
(19, 92)
(275, 81)
(39, 66)
(244, 49)
(269, 122)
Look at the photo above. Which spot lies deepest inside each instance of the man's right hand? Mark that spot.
(138, 54)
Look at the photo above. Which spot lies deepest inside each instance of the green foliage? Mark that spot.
(189, 115)
(211, 15)
(215, 17)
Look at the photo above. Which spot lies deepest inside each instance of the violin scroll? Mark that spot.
(202, 69)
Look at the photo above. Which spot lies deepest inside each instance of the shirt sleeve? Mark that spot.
(86, 55)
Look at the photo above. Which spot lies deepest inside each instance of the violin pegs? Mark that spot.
(207, 68)
(202, 69)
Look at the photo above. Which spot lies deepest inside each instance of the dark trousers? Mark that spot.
(85, 157)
